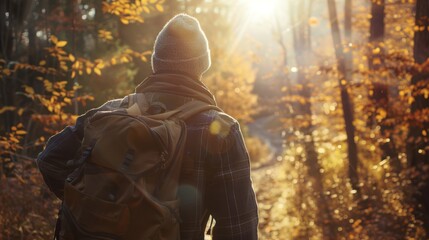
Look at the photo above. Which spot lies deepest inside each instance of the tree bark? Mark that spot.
(417, 141)
(345, 75)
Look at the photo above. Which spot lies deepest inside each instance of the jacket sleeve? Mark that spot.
(52, 161)
(64, 146)
(231, 198)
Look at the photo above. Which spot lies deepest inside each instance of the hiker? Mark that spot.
(214, 171)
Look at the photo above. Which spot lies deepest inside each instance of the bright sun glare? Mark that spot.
(261, 9)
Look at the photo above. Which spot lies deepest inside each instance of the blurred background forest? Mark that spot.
(332, 96)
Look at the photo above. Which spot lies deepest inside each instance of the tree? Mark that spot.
(379, 93)
(345, 74)
(418, 139)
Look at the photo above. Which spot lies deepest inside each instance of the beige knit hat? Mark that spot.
(181, 46)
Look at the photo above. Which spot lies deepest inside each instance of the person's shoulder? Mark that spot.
(216, 120)
(115, 104)
(217, 128)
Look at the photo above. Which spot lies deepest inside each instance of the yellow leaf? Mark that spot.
(381, 114)
(88, 70)
(124, 59)
(71, 57)
(67, 100)
(376, 61)
(48, 85)
(159, 7)
(100, 65)
(61, 43)
(73, 74)
(54, 39)
(20, 111)
(376, 50)
(97, 71)
(29, 89)
(124, 21)
(42, 63)
(143, 58)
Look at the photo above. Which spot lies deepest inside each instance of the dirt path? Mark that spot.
(261, 128)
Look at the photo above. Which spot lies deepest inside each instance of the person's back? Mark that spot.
(215, 175)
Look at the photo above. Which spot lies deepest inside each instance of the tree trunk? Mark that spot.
(379, 94)
(417, 141)
(345, 75)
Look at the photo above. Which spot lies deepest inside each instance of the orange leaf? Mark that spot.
(21, 132)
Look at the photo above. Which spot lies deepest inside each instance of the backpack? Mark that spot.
(126, 185)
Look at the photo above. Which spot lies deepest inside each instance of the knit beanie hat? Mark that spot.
(181, 46)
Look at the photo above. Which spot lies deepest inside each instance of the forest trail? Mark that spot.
(260, 128)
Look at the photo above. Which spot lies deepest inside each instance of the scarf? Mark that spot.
(178, 84)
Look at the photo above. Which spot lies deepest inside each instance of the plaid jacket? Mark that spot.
(215, 177)
(216, 180)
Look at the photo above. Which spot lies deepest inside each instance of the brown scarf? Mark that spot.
(179, 84)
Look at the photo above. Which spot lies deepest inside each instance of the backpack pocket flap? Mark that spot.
(124, 143)
(96, 215)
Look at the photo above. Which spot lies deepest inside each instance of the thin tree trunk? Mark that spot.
(344, 80)
(417, 142)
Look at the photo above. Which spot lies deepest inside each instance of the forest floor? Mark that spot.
(271, 200)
